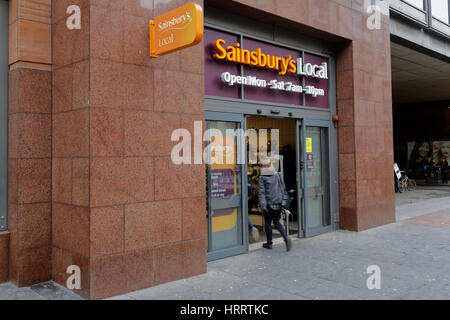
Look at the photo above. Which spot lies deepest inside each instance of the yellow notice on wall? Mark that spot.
(308, 145)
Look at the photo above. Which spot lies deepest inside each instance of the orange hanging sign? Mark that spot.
(176, 30)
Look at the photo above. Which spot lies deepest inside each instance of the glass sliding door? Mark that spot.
(225, 185)
(316, 175)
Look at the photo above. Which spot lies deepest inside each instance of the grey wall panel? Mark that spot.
(4, 47)
(226, 20)
(232, 22)
(416, 37)
(294, 39)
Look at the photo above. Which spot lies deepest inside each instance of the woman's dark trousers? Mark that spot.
(273, 216)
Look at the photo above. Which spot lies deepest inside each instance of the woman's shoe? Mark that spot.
(267, 245)
(288, 244)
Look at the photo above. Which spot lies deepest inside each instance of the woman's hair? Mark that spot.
(417, 146)
(265, 161)
(413, 163)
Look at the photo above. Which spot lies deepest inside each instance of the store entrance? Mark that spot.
(300, 152)
(276, 137)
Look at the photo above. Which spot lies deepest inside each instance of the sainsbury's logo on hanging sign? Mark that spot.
(181, 22)
(257, 58)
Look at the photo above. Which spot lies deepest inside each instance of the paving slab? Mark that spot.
(53, 291)
(9, 291)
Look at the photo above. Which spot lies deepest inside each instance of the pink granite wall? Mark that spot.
(121, 210)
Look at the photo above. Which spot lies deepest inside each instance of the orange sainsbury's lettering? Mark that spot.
(284, 65)
(262, 58)
(222, 53)
(231, 54)
(245, 56)
(253, 58)
(292, 66)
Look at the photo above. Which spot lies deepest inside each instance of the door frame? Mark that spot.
(223, 253)
(301, 127)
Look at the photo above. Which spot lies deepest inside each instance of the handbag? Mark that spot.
(287, 201)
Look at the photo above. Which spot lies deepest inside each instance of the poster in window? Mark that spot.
(310, 161)
(420, 154)
(441, 149)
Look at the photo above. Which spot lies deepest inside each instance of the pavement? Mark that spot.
(43, 291)
(412, 255)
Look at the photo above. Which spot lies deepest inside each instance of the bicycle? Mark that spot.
(405, 183)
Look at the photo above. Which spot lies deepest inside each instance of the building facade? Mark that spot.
(90, 116)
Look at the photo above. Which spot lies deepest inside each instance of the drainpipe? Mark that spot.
(427, 4)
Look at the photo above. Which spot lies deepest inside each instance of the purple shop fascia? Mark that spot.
(306, 83)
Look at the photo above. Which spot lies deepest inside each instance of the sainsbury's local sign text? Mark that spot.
(284, 65)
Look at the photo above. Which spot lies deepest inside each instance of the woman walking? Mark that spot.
(271, 191)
